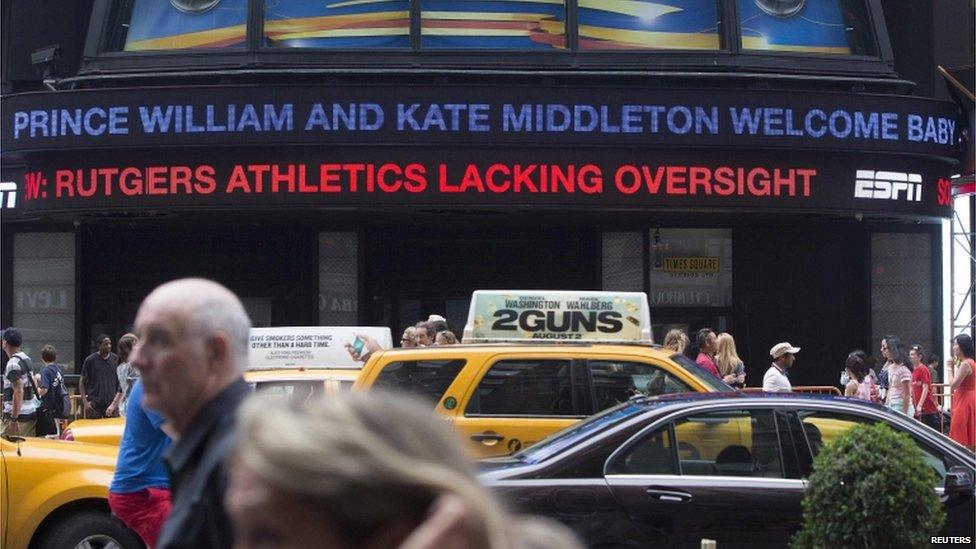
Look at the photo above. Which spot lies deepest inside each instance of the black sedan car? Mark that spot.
(674, 470)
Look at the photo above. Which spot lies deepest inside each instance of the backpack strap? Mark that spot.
(30, 376)
(30, 379)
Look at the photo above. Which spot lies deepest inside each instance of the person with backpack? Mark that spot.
(19, 400)
(52, 390)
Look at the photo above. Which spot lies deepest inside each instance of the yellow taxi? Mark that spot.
(536, 361)
(55, 494)
(502, 398)
(299, 362)
(297, 383)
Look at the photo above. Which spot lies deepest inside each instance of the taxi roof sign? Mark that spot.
(546, 316)
(309, 347)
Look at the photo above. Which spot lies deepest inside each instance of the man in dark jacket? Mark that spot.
(99, 383)
(191, 353)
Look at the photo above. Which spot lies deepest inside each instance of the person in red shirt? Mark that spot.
(708, 346)
(926, 409)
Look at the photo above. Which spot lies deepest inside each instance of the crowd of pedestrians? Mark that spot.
(428, 333)
(903, 383)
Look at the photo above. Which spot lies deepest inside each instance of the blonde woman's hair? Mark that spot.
(726, 358)
(449, 337)
(676, 340)
(367, 459)
(410, 334)
(125, 345)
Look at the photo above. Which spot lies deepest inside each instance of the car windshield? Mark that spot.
(558, 442)
(703, 375)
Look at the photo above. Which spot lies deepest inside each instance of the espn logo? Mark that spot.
(8, 195)
(888, 185)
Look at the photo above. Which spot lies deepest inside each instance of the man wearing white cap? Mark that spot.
(775, 380)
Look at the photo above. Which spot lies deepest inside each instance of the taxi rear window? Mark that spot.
(299, 390)
(426, 378)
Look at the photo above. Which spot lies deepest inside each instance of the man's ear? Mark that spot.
(217, 348)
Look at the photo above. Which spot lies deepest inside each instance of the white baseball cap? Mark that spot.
(781, 349)
(436, 318)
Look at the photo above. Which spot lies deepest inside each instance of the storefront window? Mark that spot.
(44, 293)
(623, 262)
(338, 276)
(691, 268)
(641, 25)
(144, 25)
(808, 26)
(352, 24)
(493, 24)
(901, 288)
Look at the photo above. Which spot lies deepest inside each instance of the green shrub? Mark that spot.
(870, 487)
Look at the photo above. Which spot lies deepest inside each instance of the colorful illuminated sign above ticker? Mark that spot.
(486, 115)
(500, 25)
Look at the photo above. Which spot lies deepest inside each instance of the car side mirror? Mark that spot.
(958, 482)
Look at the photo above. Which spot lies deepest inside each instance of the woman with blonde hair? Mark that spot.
(728, 362)
(126, 372)
(676, 340)
(409, 338)
(364, 470)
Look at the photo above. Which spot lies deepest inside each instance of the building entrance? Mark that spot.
(414, 272)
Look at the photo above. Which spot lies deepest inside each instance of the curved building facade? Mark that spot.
(758, 167)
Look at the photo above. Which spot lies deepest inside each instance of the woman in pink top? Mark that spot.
(859, 383)
(899, 397)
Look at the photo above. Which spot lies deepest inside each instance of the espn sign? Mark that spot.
(8, 195)
(888, 185)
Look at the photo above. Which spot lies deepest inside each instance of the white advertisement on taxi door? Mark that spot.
(313, 346)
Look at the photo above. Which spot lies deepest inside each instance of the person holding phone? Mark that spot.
(362, 347)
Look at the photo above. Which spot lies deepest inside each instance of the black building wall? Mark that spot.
(48, 23)
(801, 284)
(928, 34)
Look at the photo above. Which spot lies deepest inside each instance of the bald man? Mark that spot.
(191, 354)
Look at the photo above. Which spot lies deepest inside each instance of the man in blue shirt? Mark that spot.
(140, 493)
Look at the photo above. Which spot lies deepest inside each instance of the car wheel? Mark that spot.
(90, 530)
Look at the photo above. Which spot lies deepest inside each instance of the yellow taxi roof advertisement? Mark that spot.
(312, 346)
(547, 316)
